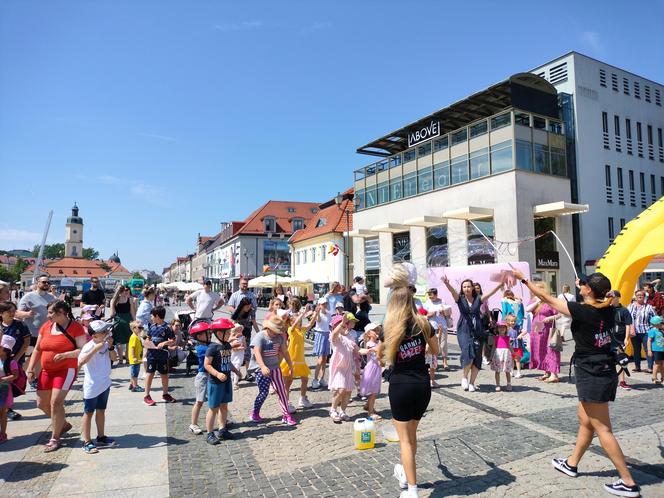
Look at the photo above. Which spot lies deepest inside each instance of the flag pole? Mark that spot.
(40, 256)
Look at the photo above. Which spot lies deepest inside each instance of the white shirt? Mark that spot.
(439, 307)
(205, 301)
(567, 296)
(97, 371)
(360, 289)
(323, 322)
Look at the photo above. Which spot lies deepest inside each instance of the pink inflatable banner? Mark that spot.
(488, 276)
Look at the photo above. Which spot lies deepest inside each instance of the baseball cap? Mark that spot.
(99, 326)
(656, 320)
(371, 326)
(351, 317)
(598, 283)
(433, 290)
(339, 305)
(322, 300)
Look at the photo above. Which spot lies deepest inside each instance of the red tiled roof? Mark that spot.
(279, 211)
(335, 219)
(79, 267)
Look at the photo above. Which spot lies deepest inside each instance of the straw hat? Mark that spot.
(275, 324)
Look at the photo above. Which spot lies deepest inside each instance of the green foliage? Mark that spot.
(57, 251)
(136, 275)
(90, 253)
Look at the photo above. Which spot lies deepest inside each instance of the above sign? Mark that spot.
(548, 260)
(425, 133)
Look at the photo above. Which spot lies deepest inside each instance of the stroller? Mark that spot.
(189, 351)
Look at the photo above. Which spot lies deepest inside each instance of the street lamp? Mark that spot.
(338, 200)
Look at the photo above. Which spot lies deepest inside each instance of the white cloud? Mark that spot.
(15, 238)
(240, 26)
(592, 39)
(163, 138)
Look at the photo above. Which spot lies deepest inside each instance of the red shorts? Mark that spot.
(62, 379)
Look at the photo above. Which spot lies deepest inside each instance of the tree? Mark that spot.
(136, 275)
(57, 251)
(19, 268)
(90, 253)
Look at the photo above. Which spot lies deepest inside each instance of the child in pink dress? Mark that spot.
(371, 374)
(501, 360)
(344, 357)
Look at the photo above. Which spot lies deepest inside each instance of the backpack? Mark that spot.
(20, 383)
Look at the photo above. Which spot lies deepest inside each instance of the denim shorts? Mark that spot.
(98, 403)
(134, 370)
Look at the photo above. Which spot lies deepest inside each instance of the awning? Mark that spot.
(362, 233)
(390, 228)
(425, 221)
(560, 208)
(469, 213)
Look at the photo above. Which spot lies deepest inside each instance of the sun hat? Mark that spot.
(656, 320)
(351, 317)
(339, 305)
(322, 300)
(371, 326)
(501, 323)
(99, 326)
(275, 324)
(8, 342)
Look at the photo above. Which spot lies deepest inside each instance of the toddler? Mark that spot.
(656, 348)
(501, 360)
(239, 344)
(516, 341)
(371, 374)
(135, 355)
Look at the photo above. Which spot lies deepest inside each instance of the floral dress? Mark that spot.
(542, 357)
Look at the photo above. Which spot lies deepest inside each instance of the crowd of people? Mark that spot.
(352, 353)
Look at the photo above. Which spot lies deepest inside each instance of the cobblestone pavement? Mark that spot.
(470, 444)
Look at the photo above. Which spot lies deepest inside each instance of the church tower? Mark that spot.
(74, 235)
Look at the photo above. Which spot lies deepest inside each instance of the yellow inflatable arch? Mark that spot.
(633, 248)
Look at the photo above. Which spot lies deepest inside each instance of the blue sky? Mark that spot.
(164, 118)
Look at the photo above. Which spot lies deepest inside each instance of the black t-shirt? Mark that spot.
(409, 365)
(221, 359)
(591, 328)
(94, 297)
(622, 318)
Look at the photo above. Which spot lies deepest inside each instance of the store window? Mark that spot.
(459, 137)
(370, 196)
(558, 162)
(383, 192)
(410, 184)
(501, 156)
(501, 121)
(479, 163)
(424, 150)
(425, 180)
(441, 174)
(460, 169)
(478, 129)
(480, 251)
(440, 144)
(437, 247)
(401, 247)
(409, 155)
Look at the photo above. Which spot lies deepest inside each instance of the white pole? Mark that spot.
(40, 256)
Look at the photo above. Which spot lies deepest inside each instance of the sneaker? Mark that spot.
(12, 415)
(236, 387)
(288, 420)
(485, 362)
(224, 434)
(90, 448)
(560, 464)
(105, 441)
(138, 389)
(304, 402)
(518, 375)
(168, 398)
(408, 494)
(291, 408)
(334, 415)
(619, 488)
(212, 439)
(464, 384)
(497, 389)
(323, 384)
(472, 388)
(400, 476)
(255, 417)
(625, 386)
(509, 387)
(343, 416)
(195, 429)
(315, 384)
(149, 401)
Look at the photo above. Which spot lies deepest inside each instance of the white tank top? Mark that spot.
(323, 322)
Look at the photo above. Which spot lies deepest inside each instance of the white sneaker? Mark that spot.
(304, 402)
(323, 383)
(517, 375)
(400, 476)
(291, 408)
(315, 384)
(464, 384)
(409, 494)
(471, 388)
(485, 361)
(195, 429)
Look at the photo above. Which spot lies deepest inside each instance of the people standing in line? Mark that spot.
(237, 297)
(161, 337)
(144, 311)
(596, 376)
(438, 314)
(654, 297)
(470, 329)
(244, 315)
(123, 310)
(502, 355)
(371, 373)
(296, 352)
(623, 330)
(641, 313)
(542, 356)
(96, 385)
(9, 371)
(321, 321)
(342, 365)
(34, 306)
(656, 348)
(206, 302)
(407, 334)
(268, 349)
(16, 329)
(95, 296)
(135, 355)
(58, 346)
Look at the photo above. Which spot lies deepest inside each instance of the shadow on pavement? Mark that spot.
(476, 484)
(24, 471)
(141, 441)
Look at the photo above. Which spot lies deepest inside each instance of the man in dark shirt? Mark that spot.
(94, 296)
(623, 329)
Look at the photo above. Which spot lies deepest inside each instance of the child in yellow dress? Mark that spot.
(296, 331)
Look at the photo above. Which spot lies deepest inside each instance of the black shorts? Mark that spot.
(157, 361)
(409, 401)
(658, 356)
(596, 380)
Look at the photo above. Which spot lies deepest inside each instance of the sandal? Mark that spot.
(552, 380)
(543, 377)
(90, 448)
(52, 445)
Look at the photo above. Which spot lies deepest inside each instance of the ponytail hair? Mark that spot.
(64, 307)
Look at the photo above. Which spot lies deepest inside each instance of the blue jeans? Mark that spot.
(637, 341)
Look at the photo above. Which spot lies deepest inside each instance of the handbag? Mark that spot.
(555, 340)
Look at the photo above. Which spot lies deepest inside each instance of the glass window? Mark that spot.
(440, 144)
(410, 184)
(524, 155)
(401, 247)
(479, 163)
(396, 189)
(383, 192)
(270, 224)
(323, 250)
(460, 169)
(441, 174)
(381, 165)
(437, 249)
(359, 174)
(556, 127)
(459, 136)
(620, 177)
(409, 155)
(539, 123)
(522, 119)
(478, 129)
(479, 250)
(424, 150)
(558, 162)
(501, 156)
(298, 224)
(501, 121)
(359, 195)
(371, 196)
(545, 244)
(395, 161)
(542, 164)
(616, 125)
(425, 180)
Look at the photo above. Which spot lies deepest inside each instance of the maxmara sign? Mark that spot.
(424, 133)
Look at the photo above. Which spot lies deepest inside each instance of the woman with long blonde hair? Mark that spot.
(407, 333)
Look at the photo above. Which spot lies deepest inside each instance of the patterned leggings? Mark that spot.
(263, 383)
